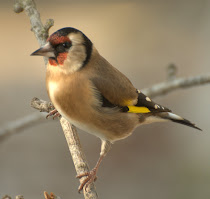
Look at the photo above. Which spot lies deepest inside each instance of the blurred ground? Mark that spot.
(140, 38)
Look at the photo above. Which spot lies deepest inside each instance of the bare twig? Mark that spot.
(78, 156)
(40, 30)
(27, 121)
(20, 124)
(41, 105)
(172, 85)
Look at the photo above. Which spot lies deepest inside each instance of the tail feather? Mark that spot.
(175, 118)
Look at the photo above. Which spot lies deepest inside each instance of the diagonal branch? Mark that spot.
(20, 124)
(40, 30)
(172, 85)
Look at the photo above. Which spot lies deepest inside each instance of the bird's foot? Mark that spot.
(53, 113)
(91, 177)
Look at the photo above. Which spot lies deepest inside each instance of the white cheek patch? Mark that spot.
(76, 38)
(77, 53)
(75, 59)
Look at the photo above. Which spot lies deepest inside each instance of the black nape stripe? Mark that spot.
(88, 47)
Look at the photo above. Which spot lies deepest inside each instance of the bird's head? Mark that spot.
(67, 46)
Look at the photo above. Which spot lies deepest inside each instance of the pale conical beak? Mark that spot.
(46, 50)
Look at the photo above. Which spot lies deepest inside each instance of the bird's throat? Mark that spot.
(60, 59)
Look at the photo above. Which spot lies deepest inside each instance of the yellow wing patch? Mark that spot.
(129, 102)
(136, 109)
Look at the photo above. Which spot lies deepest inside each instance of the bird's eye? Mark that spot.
(63, 47)
(66, 45)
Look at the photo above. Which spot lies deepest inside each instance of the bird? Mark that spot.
(93, 95)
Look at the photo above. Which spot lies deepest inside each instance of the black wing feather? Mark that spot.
(144, 101)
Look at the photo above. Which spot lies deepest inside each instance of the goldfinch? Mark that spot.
(93, 95)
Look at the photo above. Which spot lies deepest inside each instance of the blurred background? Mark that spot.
(140, 38)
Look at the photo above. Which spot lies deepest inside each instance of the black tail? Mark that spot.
(175, 118)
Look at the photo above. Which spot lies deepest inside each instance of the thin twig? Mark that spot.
(172, 85)
(40, 30)
(20, 124)
(78, 157)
